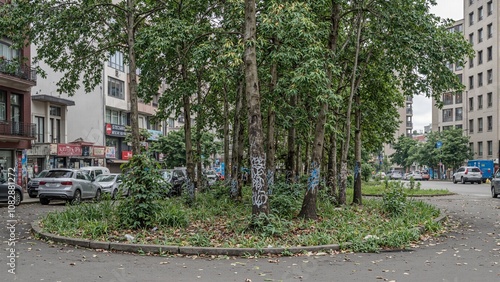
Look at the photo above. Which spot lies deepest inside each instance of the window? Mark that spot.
(55, 111)
(116, 88)
(458, 114)
(490, 148)
(471, 2)
(447, 115)
(480, 13)
(15, 109)
(490, 76)
(115, 117)
(40, 125)
(489, 98)
(471, 18)
(7, 52)
(460, 79)
(471, 148)
(480, 79)
(471, 62)
(480, 148)
(489, 7)
(490, 123)
(489, 30)
(471, 125)
(479, 102)
(480, 35)
(116, 61)
(55, 130)
(458, 67)
(449, 66)
(471, 82)
(3, 105)
(448, 127)
(458, 98)
(489, 53)
(458, 126)
(479, 57)
(480, 125)
(471, 104)
(448, 98)
(471, 38)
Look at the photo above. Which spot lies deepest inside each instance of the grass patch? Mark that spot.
(214, 220)
(378, 188)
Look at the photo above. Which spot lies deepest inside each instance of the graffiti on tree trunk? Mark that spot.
(259, 197)
(313, 180)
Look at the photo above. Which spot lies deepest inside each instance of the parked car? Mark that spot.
(94, 171)
(15, 197)
(32, 186)
(416, 175)
(396, 175)
(379, 175)
(495, 185)
(468, 174)
(174, 180)
(67, 184)
(110, 183)
(211, 176)
(425, 175)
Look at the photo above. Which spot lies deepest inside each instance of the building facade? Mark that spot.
(477, 109)
(17, 132)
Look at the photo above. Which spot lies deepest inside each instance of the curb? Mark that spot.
(182, 250)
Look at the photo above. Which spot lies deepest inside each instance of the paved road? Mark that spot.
(471, 253)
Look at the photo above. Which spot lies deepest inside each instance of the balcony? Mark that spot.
(12, 130)
(16, 75)
(409, 124)
(409, 111)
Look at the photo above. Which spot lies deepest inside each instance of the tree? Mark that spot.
(403, 148)
(77, 37)
(455, 148)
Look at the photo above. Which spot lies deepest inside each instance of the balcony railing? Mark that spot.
(14, 68)
(14, 128)
(409, 111)
(409, 124)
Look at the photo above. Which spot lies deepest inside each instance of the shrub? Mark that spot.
(394, 200)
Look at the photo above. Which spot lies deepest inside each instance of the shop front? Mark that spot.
(116, 147)
(38, 159)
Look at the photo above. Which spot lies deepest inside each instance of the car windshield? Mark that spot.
(59, 174)
(42, 174)
(105, 178)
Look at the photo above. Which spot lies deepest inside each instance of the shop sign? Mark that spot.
(87, 151)
(39, 150)
(154, 135)
(99, 151)
(126, 155)
(53, 149)
(110, 152)
(115, 130)
(69, 150)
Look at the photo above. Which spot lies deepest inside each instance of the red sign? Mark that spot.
(19, 169)
(108, 129)
(126, 155)
(69, 150)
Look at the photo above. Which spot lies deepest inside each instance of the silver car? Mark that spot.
(495, 185)
(110, 183)
(468, 174)
(67, 184)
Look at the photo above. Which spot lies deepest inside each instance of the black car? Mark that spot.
(34, 183)
(6, 196)
(175, 180)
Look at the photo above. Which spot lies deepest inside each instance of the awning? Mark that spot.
(53, 100)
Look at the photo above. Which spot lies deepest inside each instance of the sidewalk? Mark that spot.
(28, 200)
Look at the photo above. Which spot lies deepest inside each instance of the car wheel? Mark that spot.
(454, 180)
(479, 182)
(17, 198)
(44, 201)
(77, 198)
(463, 180)
(493, 194)
(98, 195)
(113, 194)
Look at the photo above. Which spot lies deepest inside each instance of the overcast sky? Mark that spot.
(422, 107)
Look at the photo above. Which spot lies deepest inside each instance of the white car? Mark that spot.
(468, 174)
(416, 175)
(396, 175)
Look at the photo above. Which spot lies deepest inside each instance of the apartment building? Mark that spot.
(477, 109)
(405, 128)
(17, 77)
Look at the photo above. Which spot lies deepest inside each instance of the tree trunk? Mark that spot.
(226, 136)
(308, 210)
(292, 136)
(357, 195)
(134, 111)
(332, 165)
(235, 191)
(190, 187)
(257, 156)
(271, 120)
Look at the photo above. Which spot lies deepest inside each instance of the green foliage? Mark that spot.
(144, 183)
(394, 200)
(403, 148)
(366, 171)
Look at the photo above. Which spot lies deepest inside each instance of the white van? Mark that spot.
(94, 171)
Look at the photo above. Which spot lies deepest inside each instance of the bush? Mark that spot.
(143, 181)
(394, 200)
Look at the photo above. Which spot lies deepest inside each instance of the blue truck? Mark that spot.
(487, 168)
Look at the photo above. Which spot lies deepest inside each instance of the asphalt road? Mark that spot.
(470, 253)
